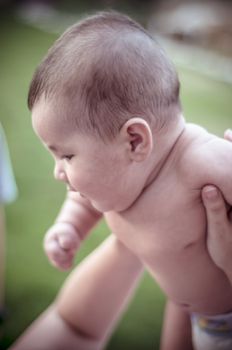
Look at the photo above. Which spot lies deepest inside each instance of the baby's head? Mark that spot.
(104, 71)
(105, 81)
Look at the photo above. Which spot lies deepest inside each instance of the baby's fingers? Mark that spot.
(59, 257)
(69, 241)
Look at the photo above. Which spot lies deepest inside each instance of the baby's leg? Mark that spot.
(95, 295)
(176, 333)
(89, 304)
(51, 332)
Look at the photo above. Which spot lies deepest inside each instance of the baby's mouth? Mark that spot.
(71, 189)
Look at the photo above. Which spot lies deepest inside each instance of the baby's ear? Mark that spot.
(137, 134)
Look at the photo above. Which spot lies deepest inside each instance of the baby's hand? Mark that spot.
(61, 243)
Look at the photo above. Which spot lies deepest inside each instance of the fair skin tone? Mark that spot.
(68, 323)
(220, 241)
(133, 151)
(127, 272)
(143, 164)
(176, 333)
(66, 309)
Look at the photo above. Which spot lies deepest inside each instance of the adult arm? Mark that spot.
(219, 217)
(176, 333)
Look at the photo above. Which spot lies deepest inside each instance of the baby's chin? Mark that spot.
(107, 207)
(101, 207)
(97, 206)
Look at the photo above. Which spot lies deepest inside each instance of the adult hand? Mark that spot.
(219, 218)
(219, 236)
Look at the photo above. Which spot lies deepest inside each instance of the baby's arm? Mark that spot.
(105, 282)
(74, 221)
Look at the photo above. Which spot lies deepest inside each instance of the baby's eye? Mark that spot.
(68, 157)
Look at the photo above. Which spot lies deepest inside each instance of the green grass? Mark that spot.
(31, 283)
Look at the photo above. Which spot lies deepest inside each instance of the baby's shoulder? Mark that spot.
(205, 146)
(205, 152)
(196, 143)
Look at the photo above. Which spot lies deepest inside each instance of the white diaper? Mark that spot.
(212, 332)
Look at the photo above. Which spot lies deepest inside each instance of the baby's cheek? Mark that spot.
(81, 183)
(73, 177)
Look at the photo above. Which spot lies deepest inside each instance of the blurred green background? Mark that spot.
(31, 283)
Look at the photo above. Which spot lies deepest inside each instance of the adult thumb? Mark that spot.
(215, 209)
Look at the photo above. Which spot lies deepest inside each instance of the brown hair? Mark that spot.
(109, 69)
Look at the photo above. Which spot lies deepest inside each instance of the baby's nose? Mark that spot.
(59, 173)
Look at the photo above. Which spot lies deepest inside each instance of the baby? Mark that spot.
(105, 103)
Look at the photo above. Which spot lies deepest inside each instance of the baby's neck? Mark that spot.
(165, 144)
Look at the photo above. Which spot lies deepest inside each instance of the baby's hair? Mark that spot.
(108, 69)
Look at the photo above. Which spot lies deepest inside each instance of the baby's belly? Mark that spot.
(191, 280)
(170, 240)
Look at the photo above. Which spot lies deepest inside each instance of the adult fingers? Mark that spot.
(215, 209)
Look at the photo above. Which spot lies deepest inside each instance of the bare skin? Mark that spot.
(76, 319)
(64, 312)
(141, 201)
(139, 223)
(220, 240)
(176, 333)
(183, 236)
(138, 164)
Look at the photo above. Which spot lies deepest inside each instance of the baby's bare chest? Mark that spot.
(168, 218)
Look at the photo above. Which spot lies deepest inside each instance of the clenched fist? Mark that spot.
(61, 243)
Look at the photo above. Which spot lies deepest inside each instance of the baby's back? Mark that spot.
(166, 228)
